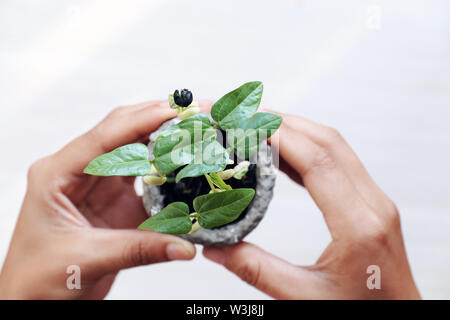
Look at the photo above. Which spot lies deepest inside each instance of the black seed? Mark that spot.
(176, 96)
(183, 98)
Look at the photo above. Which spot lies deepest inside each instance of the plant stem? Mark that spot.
(211, 185)
(194, 215)
(219, 182)
(195, 228)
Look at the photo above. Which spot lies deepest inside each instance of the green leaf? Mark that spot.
(263, 120)
(177, 145)
(216, 209)
(238, 104)
(173, 219)
(210, 157)
(128, 160)
(247, 137)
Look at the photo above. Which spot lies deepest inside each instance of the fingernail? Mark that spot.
(214, 254)
(180, 251)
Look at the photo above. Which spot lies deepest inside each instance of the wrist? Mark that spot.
(9, 291)
(3, 289)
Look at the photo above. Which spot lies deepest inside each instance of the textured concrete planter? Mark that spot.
(234, 232)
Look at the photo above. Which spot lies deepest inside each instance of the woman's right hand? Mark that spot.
(364, 225)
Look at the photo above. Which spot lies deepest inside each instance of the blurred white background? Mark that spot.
(379, 71)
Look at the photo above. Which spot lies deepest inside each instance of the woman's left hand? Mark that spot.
(71, 220)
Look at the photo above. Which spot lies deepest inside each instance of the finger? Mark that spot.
(264, 271)
(120, 207)
(205, 105)
(331, 140)
(290, 172)
(122, 126)
(121, 249)
(141, 105)
(344, 209)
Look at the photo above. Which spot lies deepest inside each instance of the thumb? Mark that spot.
(121, 249)
(264, 271)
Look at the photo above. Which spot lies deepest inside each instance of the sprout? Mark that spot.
(241, 169)
(154, 180)
(195, 227)
(226, 174)
(188, 112)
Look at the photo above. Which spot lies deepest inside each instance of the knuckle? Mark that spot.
(392, 209)
(382, 228)
(377, 233)
(332, 135)
(36, 169)
(138, 254)
(117, 114)
(392, 215)
(250, 272)
(117, 111)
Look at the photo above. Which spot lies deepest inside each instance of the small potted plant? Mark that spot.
(201, 171)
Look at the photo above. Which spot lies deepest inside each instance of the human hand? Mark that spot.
(363, 222)
(69, 218)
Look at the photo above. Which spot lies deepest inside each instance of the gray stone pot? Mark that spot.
(232, 233)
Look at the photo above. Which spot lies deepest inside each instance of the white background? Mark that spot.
(384, 83)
